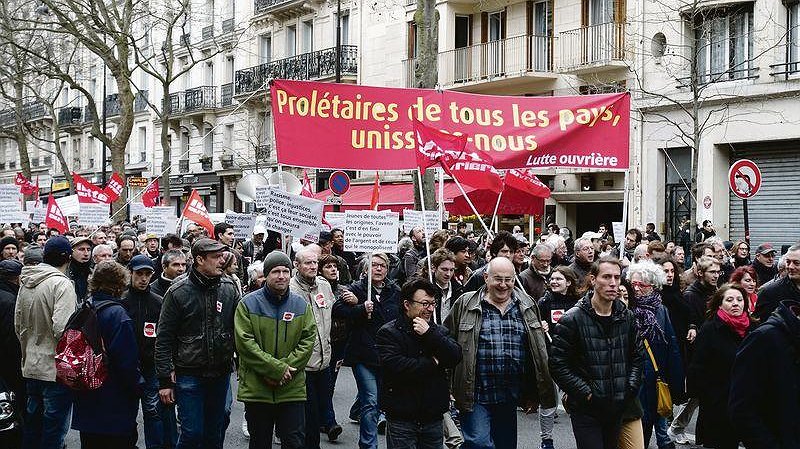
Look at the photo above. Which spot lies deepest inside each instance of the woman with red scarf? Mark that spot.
(709, 373)
(747, 278)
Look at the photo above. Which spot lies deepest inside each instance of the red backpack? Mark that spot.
(80, 353)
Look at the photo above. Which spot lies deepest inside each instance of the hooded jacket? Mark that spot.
(696, 298)
(144, 308)
(320, 298)
(45, 302)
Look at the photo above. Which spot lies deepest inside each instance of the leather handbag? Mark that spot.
(664, 405)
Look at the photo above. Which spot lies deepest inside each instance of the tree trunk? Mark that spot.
(166, 150)
(120, 141)
(426, 73)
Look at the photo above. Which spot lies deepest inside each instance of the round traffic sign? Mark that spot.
(339, 182)
(744, 178)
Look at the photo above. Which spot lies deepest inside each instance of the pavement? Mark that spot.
(527, 425)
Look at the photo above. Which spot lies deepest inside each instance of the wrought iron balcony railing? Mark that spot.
(70, 116)
(228, 25)
(226, 94)
(203, 97)
(306, 66)
(208, 32)
(176, 103)
(112, 105)
(140, 101)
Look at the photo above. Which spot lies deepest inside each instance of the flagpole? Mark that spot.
(441, 193)
(424, 224)
(472, 206)
(369, 283)
(496, 206)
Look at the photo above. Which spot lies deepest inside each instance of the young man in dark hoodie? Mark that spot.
(80, 266)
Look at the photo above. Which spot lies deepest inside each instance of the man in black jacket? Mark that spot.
(787, 287)
(764, 263)
(194, 346)
(173, 264)
(414, 354)
(144, 307)
(765, 379)
(596, 359)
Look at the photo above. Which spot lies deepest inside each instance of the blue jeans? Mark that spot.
(151, 412)
(490, 426)
(367, 379)
(201, 410)
(414, 435)
(46, 415)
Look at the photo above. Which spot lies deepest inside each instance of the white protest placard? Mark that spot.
(68, 205)
(242, 224)
(294, 215)
(93, 214)
(335, 219)
(262, 196)
(14, 216)
(9, 193)
(619, 231)
(414, 219)
(161, 220)
(371, 231)
(217, 217)
(37, 213)
(137, 208)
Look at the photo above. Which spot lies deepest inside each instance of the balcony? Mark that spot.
(307, 66)
(113, 106)
(785, 70)
(30, 112)
(200, 98)
(592, 48)
(176, 103)
(226, 95)
(140, 101)
(88, 115)
(282, 7)
(228, 25)
(515, 60)
(7, 118)
(69, 116)
(183, 166)
(185, 40)
(208, 32)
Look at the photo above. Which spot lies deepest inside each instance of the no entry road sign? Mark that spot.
(744, 178)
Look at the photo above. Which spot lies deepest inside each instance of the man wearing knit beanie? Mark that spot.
(9, 246)
(271, 368)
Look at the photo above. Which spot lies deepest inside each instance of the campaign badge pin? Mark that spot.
(556, 315)
(149, 330)
(288, 316)
(320, 299)
(219, 306)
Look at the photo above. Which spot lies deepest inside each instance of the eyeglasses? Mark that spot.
(500, 280)
(425, 304)
(379, 265)
(640, 284)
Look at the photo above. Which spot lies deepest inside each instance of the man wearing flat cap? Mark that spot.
(194, 346)
(80, 266)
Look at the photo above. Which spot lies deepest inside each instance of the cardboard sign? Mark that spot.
(68, 205)
(371, 231)
(294, 215)
(37, 213)
(137, 208)
(619, 232)
(430, 222)
(161, 220)
(242, 224)
(93, 214)
(262, 196)
(9, 193)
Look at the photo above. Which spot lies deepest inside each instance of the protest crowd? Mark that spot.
(447, 339)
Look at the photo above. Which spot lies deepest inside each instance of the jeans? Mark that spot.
(288, 418)
(201, 410)
(151, 412)
(319, 400)
(414, 435)
(367, 379)
(170, 424)
(490, 426)
(46, 415)
(99, 441)
(590, 433)
(228, 405)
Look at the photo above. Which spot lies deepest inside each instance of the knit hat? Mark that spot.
(33, 255)
(8, 240)
(10, 268)
(276, 259)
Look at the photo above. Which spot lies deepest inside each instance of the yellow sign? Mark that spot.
(136, 181)
(60, 185)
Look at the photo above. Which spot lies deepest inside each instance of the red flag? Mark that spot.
(307, 191)
(114, 187)
(20, 179)
(474, 170)
(376, 193)
(151, 195)
(88, 192)
(196, 211)
(26, 187)
(433, 145)
(526, 181)
(54, 218)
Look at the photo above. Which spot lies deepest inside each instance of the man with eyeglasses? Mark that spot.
(584, 256)
(785, 288)
(415, 354)
(364, 318)
(503, 245)
(504, 359)
(537, 275)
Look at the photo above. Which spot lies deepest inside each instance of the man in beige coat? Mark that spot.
(45, 302)
(318, 293)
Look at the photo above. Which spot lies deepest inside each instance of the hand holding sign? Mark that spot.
(369, 306)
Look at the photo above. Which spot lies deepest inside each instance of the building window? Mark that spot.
(308, 36)
(724, 44)
(291, 40)
(793, 53)
(265, 49)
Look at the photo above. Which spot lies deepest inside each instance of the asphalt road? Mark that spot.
(528, 425)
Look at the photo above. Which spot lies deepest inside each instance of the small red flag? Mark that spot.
(376, 193)
(54, 219)
(307, 191)
(114, 187)
(196, 211)
(526, 181)
(151, 195)
(433, 145)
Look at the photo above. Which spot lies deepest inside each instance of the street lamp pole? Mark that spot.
(105, 124)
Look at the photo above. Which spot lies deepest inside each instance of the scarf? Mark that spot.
(645, 313)
(738, 324)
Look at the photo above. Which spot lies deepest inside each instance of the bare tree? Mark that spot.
(426, 74)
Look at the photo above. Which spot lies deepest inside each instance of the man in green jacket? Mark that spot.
(275, 333)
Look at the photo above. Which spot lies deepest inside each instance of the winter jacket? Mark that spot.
(410, 260)
(534, 283)
(80, 273)
(464, 324)
(456, 289)
(670, 366)
(585, 359)
(696, 299)
(361, 347)
(11, 368)
(554, 305)
(763, 272)
(765, 381)
(144, 308)
(45, 302)
(581, 269)
(678, 311)
(160, 286)
(709, 380)
(272, 333)
(321, 299)
(112, 408)
(413, 386)
(476, 281)
(771, 295)
(195, 328)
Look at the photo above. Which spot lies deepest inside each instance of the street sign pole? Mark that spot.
(746, 223)
(744, 179)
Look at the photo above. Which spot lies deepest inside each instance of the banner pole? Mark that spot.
(496, 207)
(424, 223)
(472, 206)
(369, 283)
(441, 194)
(625, 203)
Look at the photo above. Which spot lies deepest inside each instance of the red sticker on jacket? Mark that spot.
(149, 330)
(556, 315)
(288, 316)
(320, 299)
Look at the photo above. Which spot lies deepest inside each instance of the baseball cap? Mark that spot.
(78, 240)
(765, 248)
(150, 236)
(205, 246)
(57, 245)
(140, 262)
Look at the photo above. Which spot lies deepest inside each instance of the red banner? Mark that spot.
(307, 191)
(54, 219)
(151, 195)
(26, 187)
(196, 211)
(370, 128)
(433, 145)
(526, 181)
(88, 192)
(114, 187)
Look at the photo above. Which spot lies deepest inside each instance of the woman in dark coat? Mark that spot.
(709, 374)
(672, 298)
